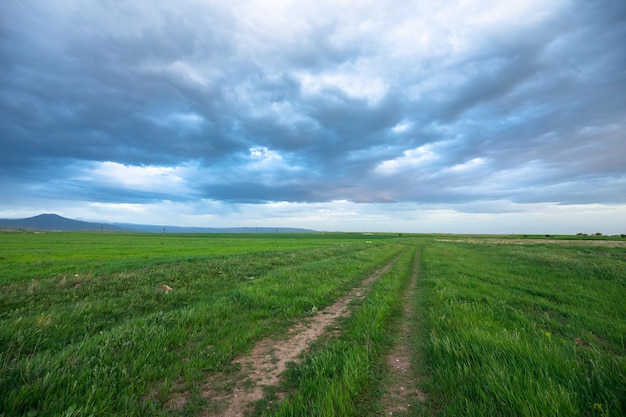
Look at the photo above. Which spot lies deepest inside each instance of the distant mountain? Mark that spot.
(58, 223)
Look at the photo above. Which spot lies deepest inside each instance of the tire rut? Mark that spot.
(269, 357)
(403, 390)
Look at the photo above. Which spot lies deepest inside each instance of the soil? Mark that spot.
(232, 396)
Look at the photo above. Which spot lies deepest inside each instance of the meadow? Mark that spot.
(521, 326)
(524, 329)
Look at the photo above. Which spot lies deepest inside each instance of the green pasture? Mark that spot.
(94, 335)
(30, 255)
(502, 325)
(524, 329)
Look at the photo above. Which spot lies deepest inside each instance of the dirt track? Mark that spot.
(269, 358)
(403, 389)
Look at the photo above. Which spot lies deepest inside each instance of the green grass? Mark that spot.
(532, 330)
(102, 342)
(504, 327)
(25, 256)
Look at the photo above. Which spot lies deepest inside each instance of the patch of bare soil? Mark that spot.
(232, 396)
(403, 389)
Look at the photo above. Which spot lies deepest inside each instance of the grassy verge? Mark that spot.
(341, 377)
(94, 343)
(533, 330)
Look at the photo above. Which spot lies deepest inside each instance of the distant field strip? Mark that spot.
(530, 241)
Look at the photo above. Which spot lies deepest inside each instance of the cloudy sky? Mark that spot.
(473, 116)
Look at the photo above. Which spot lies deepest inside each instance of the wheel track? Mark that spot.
(269, 358)
(403, 389)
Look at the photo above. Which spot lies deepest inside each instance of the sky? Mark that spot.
(468, 116)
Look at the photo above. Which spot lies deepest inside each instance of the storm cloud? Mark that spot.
(395, 106)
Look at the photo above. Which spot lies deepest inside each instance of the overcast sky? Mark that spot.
(473, 116)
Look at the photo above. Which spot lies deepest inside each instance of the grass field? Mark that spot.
(525, 329)
(532, 326)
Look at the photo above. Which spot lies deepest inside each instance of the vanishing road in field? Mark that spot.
(234, 394)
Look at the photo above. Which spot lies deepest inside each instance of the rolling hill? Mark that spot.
(54, 222)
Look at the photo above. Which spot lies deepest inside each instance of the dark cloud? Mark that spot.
(259, 193)
(314, 103)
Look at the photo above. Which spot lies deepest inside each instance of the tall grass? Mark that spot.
(532, 330)
(94, 343)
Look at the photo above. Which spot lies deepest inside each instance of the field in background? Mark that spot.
(500, 326)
